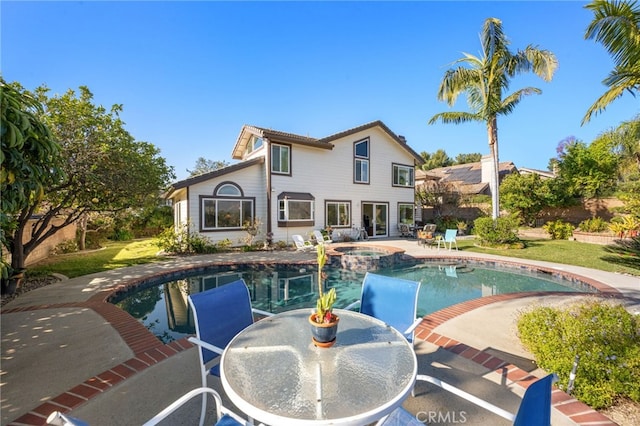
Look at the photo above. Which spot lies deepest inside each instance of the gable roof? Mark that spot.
(274, 136)
(398, 139)
(324, 143)
(213, 174)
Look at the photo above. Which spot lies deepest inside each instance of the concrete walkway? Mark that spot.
(64, 348)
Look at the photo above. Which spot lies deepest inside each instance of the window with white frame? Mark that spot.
(296, 209)
(361, 161)
(280, 159)
(403, 175)
(405, 213)
(255, 143)
(226, 209)
(338, 214)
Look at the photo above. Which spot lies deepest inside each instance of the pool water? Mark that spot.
(162, 306)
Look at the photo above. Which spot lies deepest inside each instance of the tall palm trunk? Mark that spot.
(492, 133)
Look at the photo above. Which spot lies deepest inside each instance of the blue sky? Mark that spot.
(190, 74)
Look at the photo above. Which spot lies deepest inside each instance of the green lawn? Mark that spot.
(118, 254)
(115, 254)
(561, 251)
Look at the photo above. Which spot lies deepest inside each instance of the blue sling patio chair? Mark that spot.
(534, 410)
(392, 300)
(219, 315)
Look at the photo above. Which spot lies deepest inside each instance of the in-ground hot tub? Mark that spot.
(363, 257)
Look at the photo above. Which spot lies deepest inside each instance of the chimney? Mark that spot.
(487, 169)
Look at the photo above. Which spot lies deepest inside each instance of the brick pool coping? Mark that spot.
(149, 351)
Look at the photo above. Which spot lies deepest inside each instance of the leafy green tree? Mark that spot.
(468, 158)
(435, 160)
(104, 169)
(205, 166)
(616, 24)
(485, 80)
(30, 159)
(625, 143)
(587, 170)
(525, 195)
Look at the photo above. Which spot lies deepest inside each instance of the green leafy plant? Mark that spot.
(605, 337)
(625, 226)
(595, 224)
(501, 232)
(183, 241)
(324, 305)
(558, 230)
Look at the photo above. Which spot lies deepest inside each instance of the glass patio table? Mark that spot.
(274, 374)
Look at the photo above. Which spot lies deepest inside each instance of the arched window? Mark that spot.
(227, 209)
(228, 189)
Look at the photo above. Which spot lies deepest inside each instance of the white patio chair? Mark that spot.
(321, 239)
(301, 243)
(224, 416)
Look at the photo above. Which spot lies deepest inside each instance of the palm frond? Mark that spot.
(455, 82)
(493, 39)
(455, 117)
(603, 101)
(542, 63)
(616, 25)
(510, 102)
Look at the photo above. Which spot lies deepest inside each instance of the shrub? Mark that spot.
(625, 226)
(605, 336)
(596, 224)
(446, 222)
(559, 230)
(68, 246)
(499, 233)
(183, 242)
(122, 234)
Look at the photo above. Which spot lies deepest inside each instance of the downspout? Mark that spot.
(267, 170)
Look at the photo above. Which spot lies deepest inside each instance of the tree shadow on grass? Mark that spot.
(624, 252)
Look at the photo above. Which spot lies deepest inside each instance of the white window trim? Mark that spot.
(288, 148)
(338, 204)
(361, 163)
(396, 176)
(283, 213)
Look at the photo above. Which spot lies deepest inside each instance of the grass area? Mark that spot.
(115, 254)
(118, 254)
(559, 251)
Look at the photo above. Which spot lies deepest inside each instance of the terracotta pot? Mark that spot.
(323, 335)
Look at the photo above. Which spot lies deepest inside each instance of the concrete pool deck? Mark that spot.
(64, 348)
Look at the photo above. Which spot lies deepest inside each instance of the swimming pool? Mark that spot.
(161, 305)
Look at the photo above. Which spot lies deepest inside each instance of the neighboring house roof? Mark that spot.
(210, 175)
(543, 173)
(467, 177)
(324, 143)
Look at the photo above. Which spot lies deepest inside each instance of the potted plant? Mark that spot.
(324, 323)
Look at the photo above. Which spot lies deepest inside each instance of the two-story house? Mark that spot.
(362, 177)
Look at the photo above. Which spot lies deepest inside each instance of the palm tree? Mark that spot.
(485, 80)
(616, 24)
